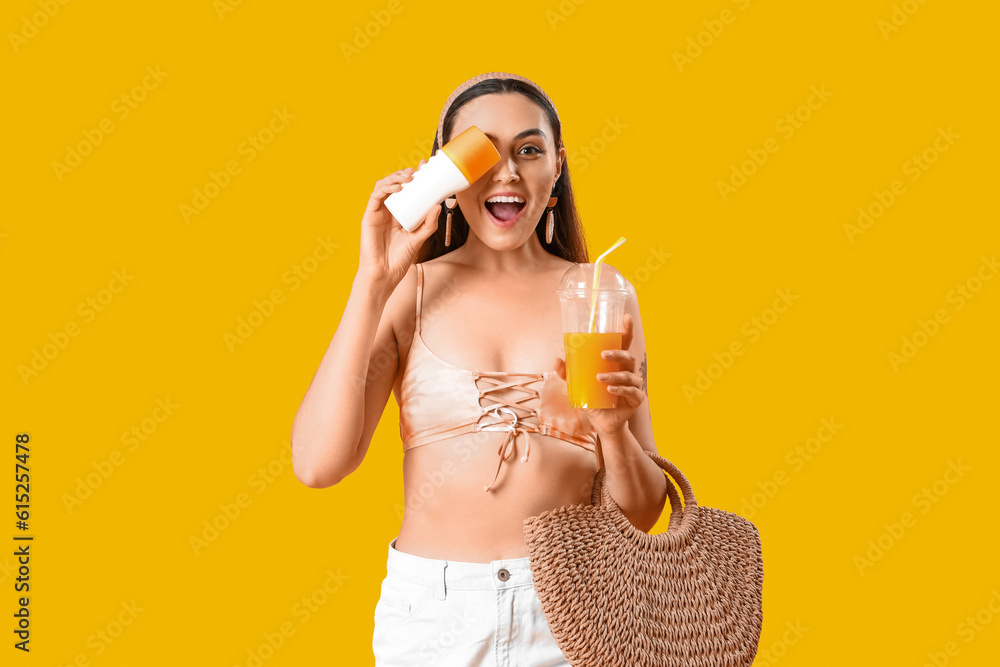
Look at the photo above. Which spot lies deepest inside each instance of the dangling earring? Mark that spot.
(451, 203)
(550, 226)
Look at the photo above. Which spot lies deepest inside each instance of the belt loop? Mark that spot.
(440, 592)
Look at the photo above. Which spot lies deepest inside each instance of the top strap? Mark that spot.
(420, 292)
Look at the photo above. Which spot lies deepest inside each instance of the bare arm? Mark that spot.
(345, 400)
(327, 430)
(633, 479)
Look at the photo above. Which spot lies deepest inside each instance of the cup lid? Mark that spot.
(580, 277)
(472, 152)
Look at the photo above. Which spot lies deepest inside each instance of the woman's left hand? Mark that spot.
(626, 384)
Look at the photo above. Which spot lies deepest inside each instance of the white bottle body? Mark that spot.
(435, 180)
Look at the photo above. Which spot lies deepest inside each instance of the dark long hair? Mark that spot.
(568, 239)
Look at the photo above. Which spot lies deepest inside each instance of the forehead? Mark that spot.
(501, 115)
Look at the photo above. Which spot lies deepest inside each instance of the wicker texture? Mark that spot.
(614, 595)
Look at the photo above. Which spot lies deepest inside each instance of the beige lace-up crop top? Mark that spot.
(439, 400)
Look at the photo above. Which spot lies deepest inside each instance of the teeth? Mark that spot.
(519, 200)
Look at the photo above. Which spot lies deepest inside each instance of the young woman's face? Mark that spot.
(528, 168)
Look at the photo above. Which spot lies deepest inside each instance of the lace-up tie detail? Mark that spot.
(439, 401)
(505, 417)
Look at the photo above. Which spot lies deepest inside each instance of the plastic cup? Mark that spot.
(592, 322)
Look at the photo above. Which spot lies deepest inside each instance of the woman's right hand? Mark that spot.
(387, 250)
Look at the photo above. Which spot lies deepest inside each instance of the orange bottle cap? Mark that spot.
(472, 152)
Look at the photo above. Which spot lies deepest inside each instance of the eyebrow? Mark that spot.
(534, 131)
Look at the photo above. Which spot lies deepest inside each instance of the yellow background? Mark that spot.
(660, 138)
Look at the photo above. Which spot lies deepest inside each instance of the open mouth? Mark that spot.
(505, 210)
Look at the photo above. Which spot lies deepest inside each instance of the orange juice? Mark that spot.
(584, 362)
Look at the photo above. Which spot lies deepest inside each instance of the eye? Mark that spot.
(539, 151)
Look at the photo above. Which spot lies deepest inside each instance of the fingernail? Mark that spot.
(602, 377)
(606, 354)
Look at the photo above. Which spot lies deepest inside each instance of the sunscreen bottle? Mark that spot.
(456, 166)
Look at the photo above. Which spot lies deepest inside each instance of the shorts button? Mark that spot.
(503, 575)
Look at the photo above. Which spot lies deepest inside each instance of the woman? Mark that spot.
(485, 448)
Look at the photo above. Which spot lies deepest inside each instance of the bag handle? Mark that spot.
(601, 496)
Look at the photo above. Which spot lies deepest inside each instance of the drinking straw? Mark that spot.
(597, 279)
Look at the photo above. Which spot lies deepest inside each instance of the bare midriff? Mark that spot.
(447, 514)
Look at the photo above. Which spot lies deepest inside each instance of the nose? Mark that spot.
(506, 171)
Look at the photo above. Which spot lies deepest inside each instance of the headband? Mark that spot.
(477, 79)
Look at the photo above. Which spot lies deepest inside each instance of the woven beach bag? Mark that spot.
(615, 596)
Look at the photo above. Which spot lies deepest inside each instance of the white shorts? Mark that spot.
(455, 614)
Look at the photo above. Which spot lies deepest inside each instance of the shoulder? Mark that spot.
(443, 273)
(406, 289)
(633, 297)
(560, 266)
(400, 308)
(632, 306)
